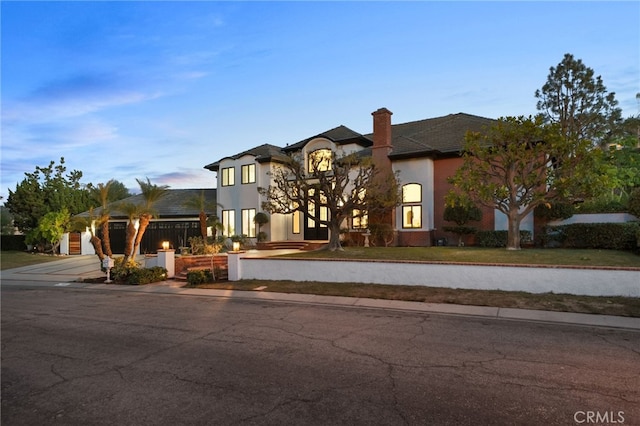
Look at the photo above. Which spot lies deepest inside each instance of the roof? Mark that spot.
(429, 137)
(264, 152)
(340, 135)
(440, 135)
(172, 205)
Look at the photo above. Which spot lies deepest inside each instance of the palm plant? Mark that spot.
(132, 212)
(151, 194)
(100, 193)
(203, 206)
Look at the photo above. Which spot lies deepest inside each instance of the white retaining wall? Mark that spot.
(588, 282)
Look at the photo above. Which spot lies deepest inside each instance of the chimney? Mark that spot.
(382, 138)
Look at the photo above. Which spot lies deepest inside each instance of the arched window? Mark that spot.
(411, 207)
(319, 160)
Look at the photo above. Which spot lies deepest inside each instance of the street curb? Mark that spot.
(592, 320)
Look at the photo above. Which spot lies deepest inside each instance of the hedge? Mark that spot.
(147, 275)
(13, 242)
(499, 238)
(612, 236)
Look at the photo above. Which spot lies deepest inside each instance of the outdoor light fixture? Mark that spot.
(236, 246)
(165, 245)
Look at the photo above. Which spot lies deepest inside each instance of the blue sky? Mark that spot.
(130, 90)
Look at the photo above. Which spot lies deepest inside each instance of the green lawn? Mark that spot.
(557, 257)
(16, 259)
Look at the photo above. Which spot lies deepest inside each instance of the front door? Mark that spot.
(313, 229)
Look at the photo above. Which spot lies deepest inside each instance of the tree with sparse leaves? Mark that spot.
(577, 100)
(343, 185)
(520, 163)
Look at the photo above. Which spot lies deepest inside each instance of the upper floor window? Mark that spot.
(249, 173)
(320, 160)
(228, 176)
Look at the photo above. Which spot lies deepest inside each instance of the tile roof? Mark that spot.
(264, 152)
(432, 136)
(339, 135)
(169, 206)
(440, 135)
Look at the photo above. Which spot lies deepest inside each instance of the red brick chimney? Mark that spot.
(382, 138)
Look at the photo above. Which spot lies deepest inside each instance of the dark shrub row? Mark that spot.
(13, 242)
(499, 238)
(199, 276)
(612, 236)
(147, 275)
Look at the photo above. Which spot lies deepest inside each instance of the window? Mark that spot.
(320, 160)
(249, 173)
(228, 176)
(360, 219)
(412, 193)
(412, 214)
(296, 222)
(248, 225)
(228, 222)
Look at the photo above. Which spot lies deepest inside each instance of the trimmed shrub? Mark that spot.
(610, 236)
(499, 238)
(147, 275)
(199, 276)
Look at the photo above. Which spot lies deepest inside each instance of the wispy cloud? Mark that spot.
(72, 97)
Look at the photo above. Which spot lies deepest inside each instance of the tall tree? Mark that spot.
(47, 189)
(520, 163)
(340, 184)
(578, 101)
(151, 194)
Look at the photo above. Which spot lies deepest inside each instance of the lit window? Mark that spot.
(320, 160)
(249, 173)
(360, 219)
(228, 176)
(296, 222)
(228, 222)
(412, 193)
(412, 216)
(248, 225)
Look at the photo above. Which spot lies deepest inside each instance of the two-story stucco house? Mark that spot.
(424, 153)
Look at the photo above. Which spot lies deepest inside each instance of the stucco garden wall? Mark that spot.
(578, 281)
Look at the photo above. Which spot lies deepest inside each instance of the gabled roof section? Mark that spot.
(433, 136)
(172, 205)
(340, 135)
(262, 153)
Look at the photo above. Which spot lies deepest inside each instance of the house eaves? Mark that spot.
(340, 135)
(262, 153)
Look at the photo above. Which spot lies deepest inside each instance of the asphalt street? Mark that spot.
(78, 357)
